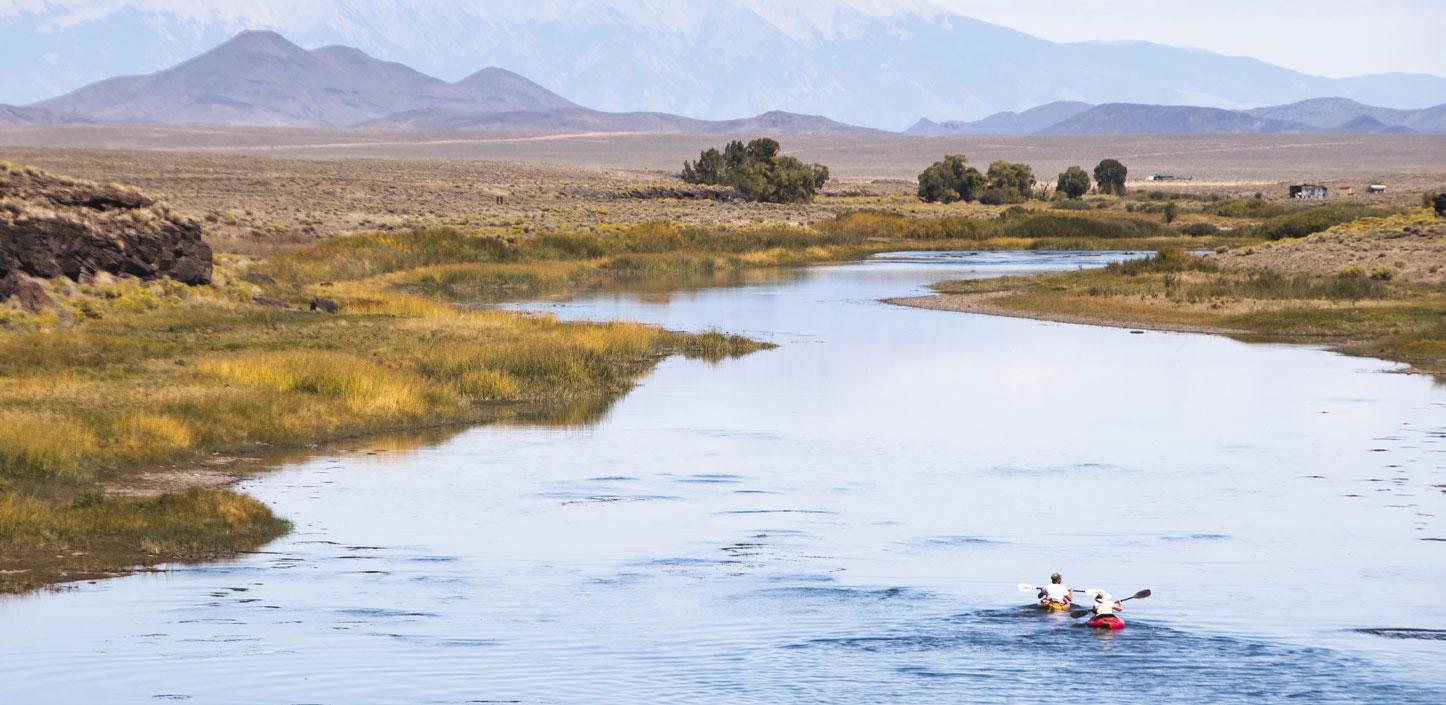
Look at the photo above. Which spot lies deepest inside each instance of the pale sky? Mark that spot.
(1323, 37)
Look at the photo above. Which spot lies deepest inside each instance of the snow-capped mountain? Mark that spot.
(881, 63)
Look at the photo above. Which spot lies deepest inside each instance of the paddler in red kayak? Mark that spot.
(1103, 615)
(1055, 597)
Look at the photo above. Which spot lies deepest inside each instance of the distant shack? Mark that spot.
(1309, 192)
(1376, 188)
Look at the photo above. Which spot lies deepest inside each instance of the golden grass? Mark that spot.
(364, 387)
(1349, 310)
(43, 541)
(131, 375)
(36, 446)
(129, 387)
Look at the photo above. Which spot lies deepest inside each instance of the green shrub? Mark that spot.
(951, 180)
(757, 171)
(1071, 226)
(873, 224)
(1307, 221)
(1170, 261)
(1073, 182)
(1199, 229)
(998, 196)
(1246, 208)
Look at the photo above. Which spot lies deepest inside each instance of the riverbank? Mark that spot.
(1317, 290)
(98, 405)
(123, 401)
(126, 402)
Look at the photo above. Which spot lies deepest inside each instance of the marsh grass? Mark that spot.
(1350, 310)
(1305, 221)
(83, 407)
(131, 376)
(90, 535)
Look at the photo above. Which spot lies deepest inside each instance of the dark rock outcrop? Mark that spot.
(325, 305)
(31, 294)
(52, 226)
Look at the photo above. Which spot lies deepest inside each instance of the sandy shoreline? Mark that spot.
(980, 304)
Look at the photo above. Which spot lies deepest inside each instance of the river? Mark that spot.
(842, 519)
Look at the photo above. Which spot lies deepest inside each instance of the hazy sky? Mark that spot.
(1322, 37)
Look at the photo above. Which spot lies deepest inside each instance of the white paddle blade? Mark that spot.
(1027, 588)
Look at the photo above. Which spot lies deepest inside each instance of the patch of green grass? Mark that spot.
(148, 375)
(44, 540)
(1071, 226)
(1351, 310)
(1305, 221)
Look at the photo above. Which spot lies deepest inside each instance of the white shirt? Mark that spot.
(1055, 593)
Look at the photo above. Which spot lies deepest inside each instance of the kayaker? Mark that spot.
(1055, 595)
(1105, 607)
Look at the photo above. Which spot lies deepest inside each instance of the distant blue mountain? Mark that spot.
(261, 78)
(847, 59)
(1338, 115)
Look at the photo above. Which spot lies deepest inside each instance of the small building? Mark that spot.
(1346, 190)
(1309, 191)
(1377, 188)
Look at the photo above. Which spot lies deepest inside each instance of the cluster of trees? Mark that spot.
(758, 172)
(1109, 177)
(953, 180)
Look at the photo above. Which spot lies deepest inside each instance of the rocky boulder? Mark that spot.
(51, 226)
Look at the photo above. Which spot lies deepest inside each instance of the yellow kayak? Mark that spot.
(1051, 606)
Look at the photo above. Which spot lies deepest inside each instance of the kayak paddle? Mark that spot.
(1035, 588)
(1137, 596)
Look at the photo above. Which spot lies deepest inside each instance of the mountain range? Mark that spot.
(259, 78)
(877, 63)
(1340, 115)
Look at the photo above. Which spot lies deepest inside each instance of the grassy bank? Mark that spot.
(470, 266)
(146, 376)
(1357, 310)
(124, 377)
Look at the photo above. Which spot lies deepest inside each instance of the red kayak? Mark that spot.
(1106, 621)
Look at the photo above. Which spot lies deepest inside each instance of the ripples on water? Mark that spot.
(840, 520)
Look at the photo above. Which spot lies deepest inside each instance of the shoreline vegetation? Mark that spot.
(119, 394)
(1316, 290)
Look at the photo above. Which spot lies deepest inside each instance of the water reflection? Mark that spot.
(842, 519)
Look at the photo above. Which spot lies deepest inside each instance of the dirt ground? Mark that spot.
(1206, 159)
(1414, 250)
(259, 189)
(982, 303)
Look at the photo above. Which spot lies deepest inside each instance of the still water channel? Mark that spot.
(843, 519)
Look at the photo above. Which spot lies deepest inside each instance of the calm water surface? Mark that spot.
(841, 520)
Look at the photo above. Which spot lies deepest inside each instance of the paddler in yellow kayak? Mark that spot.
(1055, 597)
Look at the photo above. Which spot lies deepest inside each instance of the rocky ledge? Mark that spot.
(52, 226)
